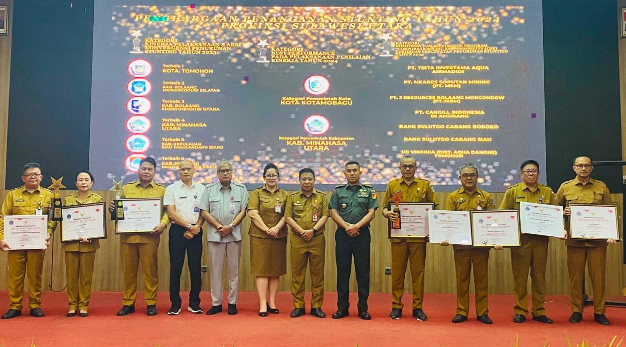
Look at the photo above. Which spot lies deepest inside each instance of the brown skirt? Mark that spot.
(268, 257)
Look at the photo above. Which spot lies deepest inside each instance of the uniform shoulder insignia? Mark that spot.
(367, 185)
(515, 185)
(292, 193)
(318, 191)
(98, 195)
(46, 189)
(18, 188)
(158, 184)
(340, 186)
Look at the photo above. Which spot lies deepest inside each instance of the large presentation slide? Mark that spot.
(450, 83)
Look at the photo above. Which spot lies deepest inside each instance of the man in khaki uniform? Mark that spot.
(533, 252)
(306, 212)
(142, 248)
(413, 189)
(470, 198)
(29, 199)
(585, 190)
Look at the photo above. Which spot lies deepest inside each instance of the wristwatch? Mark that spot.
(189, 226)
(314, 230)
(231, 226)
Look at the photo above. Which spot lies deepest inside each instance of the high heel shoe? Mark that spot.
(272, 310)
(262, 314)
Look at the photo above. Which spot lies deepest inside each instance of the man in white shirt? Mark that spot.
(223, 207)
(182, 200)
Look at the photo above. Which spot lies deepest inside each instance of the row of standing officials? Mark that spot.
(223, 205)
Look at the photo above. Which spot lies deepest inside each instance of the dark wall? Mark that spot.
(50, 91)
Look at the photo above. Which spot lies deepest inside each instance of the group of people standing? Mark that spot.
(223, 205)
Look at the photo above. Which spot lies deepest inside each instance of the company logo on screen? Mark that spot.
(138, 105)
(139, 68)
(138, 124)
(133, 161)
(137, 143)
(139, 87)
(316, 124)
(316, 85)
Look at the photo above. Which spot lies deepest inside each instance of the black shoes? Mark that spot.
(83, 314)
(459, 318)
(11, 314)
(126, 310)
(232, 309)
(518, 318)
(340, 314)
(364, 315)
(484, 319)
(542, 319)
(576, 317)
(297, 312)
(419, 314)
(36, 312)
(317, 312)
(272, 310)
(601, 319)
(150, 310)
(71, 313)
(195, 309)
(396, 313)
(214, 310)
(174, 310)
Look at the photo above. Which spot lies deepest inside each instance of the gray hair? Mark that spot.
(224, 163)
(468, 166)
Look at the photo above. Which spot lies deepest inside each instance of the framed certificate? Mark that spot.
(541, 219)
(87, 221)
(413, 220)
(495, 228)
(26, 232)
(593, 222)
(140, 216)
(451, 226)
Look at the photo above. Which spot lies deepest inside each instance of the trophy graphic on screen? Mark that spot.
(263, 52)
(136, 42)
(386, 46)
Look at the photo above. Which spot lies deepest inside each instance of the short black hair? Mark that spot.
(352, 162)
(271, 166)
(31, 166)
(529, 161)
(148, 160)
(578, 156)
(306, 170)
(87, 172)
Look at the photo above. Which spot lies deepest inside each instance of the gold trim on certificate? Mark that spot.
(87, 221)
(26, 232)
(594, 222)
(495, 228)
(413, 220)
(140, 216)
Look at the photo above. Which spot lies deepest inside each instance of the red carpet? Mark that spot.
(104, 328)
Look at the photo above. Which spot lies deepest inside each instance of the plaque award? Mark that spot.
(118, 205)
(397, 199)
(263, 52)
(56, 213)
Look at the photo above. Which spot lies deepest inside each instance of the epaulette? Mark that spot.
(19, 188)
(366, 185)
(158, 184)
(239, 185)
(43, 188)
(317, 191)
(132, 183)
(98, 195)
(293, 193)
(340, 186)
(515, 185)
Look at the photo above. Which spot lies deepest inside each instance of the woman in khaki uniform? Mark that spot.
(80, 255)
(268, 238)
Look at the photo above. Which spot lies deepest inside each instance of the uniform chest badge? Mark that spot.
(344, 205)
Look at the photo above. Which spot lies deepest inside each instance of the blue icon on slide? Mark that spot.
(139, 87)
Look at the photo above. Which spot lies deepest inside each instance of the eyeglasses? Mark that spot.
(530, 172)
(583, 166)
(407, 167)
(271, 176)
(32, 175)
(224, 171)
(466, 175)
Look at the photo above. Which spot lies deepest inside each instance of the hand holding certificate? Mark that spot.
(140, 216)
(26, 232)
(450, 226)
(83, 222)
(541, 219)
(495, 228)
(413, 220)
(593, 222)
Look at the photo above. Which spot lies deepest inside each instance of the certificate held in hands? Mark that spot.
(541, 219)
(414, 220)
(495, 228)
(451, 226)
(593, 222)
(26, 232)
(83, 221)
(140, 216)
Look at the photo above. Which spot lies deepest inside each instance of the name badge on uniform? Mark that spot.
(196, 209)
(478, 208)
(315, 216)
(277, 207)
(231, 208)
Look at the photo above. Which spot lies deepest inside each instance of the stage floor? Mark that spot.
(104, 328)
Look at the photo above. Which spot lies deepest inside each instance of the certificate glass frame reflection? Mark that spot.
(588, 226)
(495, 228)
(84, 221)
(23, 232)
(141, 215)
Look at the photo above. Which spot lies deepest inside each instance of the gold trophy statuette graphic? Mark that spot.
(397, 199)
(118, 205)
